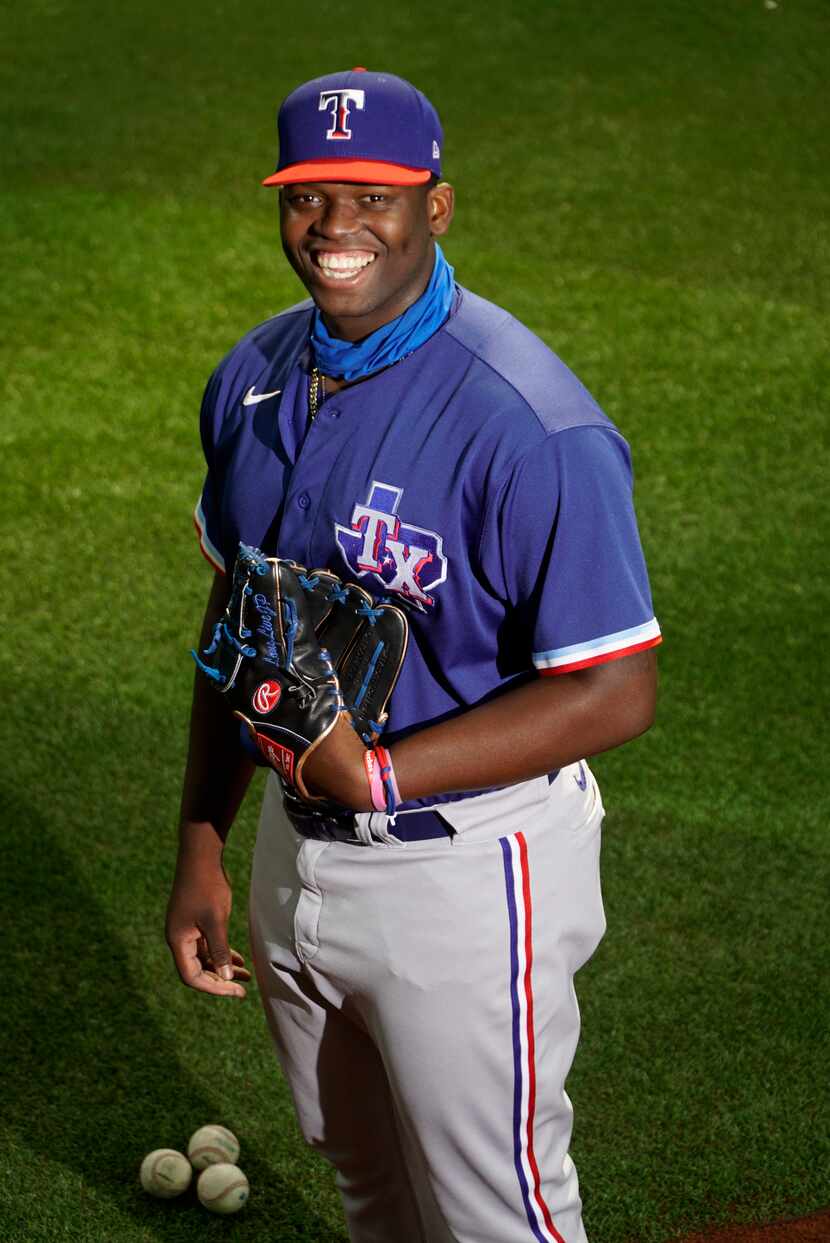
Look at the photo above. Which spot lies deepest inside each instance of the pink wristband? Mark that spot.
(376, 791)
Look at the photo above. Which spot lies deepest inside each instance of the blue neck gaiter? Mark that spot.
(354, 360)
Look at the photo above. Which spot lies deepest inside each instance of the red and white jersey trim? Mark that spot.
(598, 651)
(209, 550)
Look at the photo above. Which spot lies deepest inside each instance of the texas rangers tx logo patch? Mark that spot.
(405, 560)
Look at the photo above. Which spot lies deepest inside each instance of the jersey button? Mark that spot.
(303, 500)
(334, 412)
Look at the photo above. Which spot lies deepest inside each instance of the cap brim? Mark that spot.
(368, 172)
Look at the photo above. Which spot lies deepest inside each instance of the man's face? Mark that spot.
(364, 253)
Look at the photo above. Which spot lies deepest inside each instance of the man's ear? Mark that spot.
(441, 204)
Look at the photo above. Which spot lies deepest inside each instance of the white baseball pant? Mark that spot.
(421, 1002)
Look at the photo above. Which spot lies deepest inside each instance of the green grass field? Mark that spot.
(647, 187)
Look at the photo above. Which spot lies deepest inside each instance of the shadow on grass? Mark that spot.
(83, 1058)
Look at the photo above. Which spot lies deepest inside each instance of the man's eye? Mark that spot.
(375, 198)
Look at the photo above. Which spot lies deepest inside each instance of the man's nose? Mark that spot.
(338, 219)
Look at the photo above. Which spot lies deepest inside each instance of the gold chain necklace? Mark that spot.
(315, 387)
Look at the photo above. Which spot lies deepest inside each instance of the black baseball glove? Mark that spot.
(366, 642)
(294, 650)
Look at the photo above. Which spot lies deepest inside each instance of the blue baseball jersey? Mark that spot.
(476, 480)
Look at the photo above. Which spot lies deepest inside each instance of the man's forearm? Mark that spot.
(527, 731)
(218, 771)
(533, 729)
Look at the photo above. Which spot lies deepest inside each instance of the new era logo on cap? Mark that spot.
(358, 126)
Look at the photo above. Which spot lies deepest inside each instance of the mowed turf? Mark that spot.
(647, 187)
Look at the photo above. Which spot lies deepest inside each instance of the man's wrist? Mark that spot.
(380, 775)
(200, 839)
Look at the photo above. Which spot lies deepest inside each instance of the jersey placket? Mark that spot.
(319, 449)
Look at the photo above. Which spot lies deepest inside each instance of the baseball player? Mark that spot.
(416, 964)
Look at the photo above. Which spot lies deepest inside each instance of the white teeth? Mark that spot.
(343, 266)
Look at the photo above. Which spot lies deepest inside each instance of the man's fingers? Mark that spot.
(209, 982)
(195, 972)
(205, 980)
(219, 953)
(240, 971)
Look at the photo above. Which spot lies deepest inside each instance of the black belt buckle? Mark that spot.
(323, 828)
(415, 826)
(324, 823)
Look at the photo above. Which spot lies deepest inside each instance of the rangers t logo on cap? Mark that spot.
(340, 112)
(382, 131)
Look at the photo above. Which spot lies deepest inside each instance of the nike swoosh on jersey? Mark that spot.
(251, 398)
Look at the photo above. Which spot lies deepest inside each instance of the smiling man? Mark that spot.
(364, 252)
(417, 968)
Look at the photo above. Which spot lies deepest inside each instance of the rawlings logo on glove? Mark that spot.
(267, 697)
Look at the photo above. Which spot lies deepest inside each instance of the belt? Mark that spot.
(409, 826)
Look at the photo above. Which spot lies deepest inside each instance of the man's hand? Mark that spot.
(197, 926)
(335, 770)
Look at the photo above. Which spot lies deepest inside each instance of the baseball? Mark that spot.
(165, 1173)
(223, 1188)
(212, 1144)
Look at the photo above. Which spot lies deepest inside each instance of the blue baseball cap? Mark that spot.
(358, 126)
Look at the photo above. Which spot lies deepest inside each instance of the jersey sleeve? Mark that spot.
(566, 552)
(207, 515)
